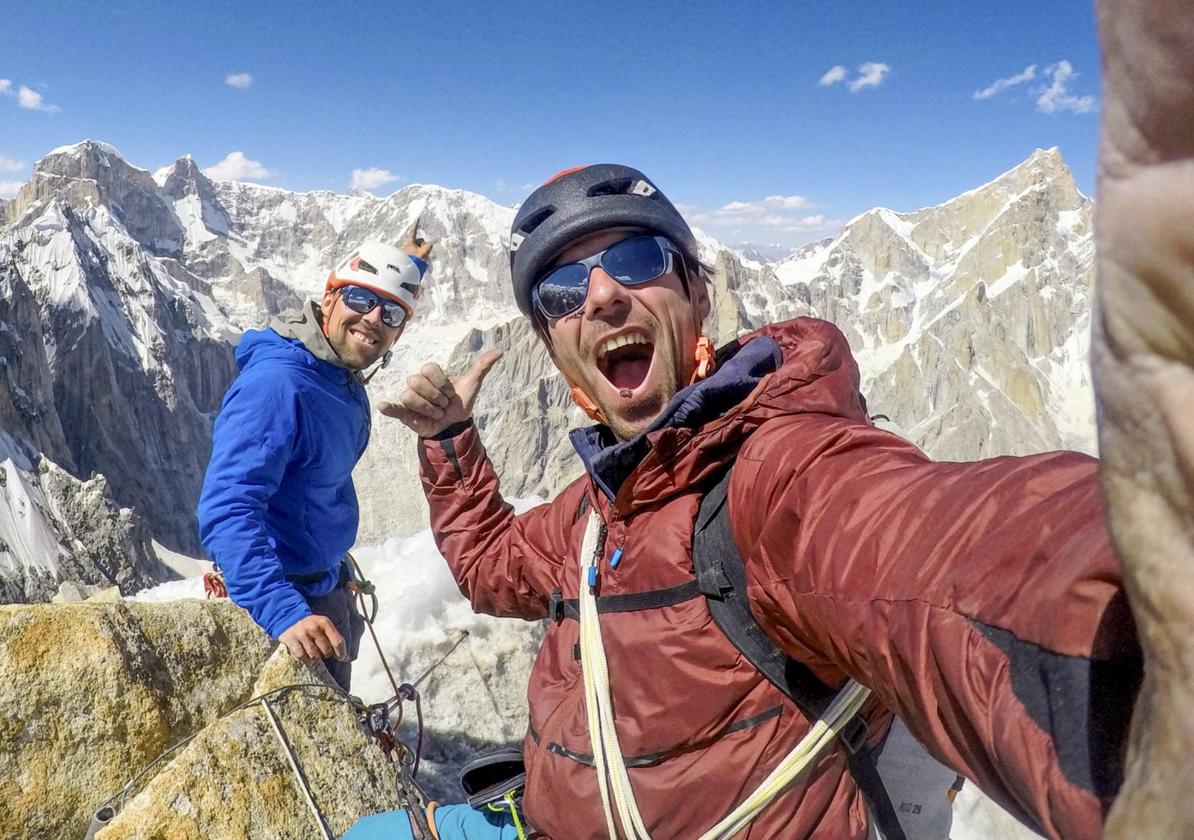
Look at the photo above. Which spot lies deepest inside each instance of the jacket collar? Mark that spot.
(306, 326)
(705, 425)
(738, 372)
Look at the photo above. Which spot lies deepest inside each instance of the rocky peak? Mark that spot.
(195, 202)
(91, 175)
(183, 177)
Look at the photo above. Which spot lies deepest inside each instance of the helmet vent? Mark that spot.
(532, 222)
(620, 186)
(361, 265)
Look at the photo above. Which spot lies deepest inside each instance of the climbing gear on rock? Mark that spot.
(304, 786)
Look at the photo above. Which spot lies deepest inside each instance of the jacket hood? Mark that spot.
(794, 367)
(307, 326)
(297, 337)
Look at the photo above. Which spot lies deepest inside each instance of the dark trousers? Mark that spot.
(339, 607)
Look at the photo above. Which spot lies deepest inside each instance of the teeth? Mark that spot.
(621, 341)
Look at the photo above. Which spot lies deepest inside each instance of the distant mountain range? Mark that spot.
(122, 294)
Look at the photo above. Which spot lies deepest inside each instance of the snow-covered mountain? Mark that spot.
(122, 295)
(970, 320)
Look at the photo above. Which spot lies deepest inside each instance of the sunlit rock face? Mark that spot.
(91, 692)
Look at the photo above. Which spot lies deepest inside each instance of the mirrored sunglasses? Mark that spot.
(363, 300)
(632, 262)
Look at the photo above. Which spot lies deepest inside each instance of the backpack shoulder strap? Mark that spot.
(721, 576)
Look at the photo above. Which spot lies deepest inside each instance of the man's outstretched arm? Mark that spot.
(1144, 378)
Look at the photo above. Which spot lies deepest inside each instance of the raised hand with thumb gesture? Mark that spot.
(414, 244)
(433, 401)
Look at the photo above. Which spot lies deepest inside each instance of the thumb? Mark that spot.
(469, 382)
(412, 231)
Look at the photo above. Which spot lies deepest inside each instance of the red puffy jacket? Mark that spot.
(980, 601)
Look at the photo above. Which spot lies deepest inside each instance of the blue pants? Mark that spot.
(452, 822)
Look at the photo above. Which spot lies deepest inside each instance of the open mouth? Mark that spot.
(625, 360)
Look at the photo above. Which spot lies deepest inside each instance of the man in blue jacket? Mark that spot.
(278, 510)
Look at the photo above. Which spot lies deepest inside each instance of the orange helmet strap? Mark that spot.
(587, 405)
(705, 361)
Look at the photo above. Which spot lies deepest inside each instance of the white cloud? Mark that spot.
(5, 86)
(239, 80)
(9, 189)
(870, 74)
(370, 179)
(1057, 97)
(833, 75)
(237, 167)
(7, 164)
(772, 219)
(1000, 85)
(31, 100)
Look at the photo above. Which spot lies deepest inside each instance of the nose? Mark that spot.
(373, 315)
(605, 294)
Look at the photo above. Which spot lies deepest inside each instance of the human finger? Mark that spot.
(339, 645)
(437, 377)
(426, 389)
(413, 401)
(412, 233)
(417, 423)
(295, 645)
(321, 640)
(470, 381)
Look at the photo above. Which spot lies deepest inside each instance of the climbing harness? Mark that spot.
(617, 795)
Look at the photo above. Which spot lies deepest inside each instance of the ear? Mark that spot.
(325, 304)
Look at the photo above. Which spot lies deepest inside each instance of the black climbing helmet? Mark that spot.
(581, 201)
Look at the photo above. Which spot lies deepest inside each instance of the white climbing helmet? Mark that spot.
(384, 269)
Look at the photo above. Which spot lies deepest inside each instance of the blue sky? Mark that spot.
(722, 104)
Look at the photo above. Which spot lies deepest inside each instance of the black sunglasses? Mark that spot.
(632, 262)
(363, 300)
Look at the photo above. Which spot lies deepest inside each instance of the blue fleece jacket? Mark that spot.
(278, 499)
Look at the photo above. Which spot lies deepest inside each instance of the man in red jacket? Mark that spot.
(981, 602)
